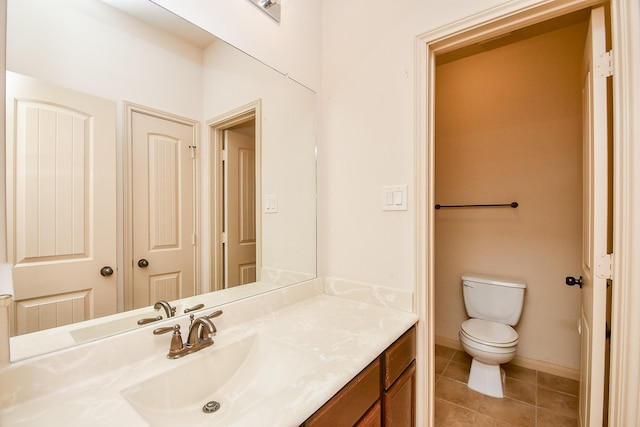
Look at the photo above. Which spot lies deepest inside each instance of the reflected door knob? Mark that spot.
(572, 281)
(143, 263)
(106, 271)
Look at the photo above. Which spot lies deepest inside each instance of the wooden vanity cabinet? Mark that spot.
(382, 395)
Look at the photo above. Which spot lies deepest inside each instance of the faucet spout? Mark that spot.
(170, 311)
(201, 332)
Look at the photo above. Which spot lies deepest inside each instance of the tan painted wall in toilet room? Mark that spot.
(508, 128)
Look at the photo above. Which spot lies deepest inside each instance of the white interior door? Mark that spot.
(163, 159)
(61, 203)
(594, 257)
(240, 206)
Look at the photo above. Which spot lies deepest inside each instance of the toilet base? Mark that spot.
(486, 379)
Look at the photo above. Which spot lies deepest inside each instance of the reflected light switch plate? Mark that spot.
(394, 198)
(270, 203)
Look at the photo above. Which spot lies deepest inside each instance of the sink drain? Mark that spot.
(210, 407)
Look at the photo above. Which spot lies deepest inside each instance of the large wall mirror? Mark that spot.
(147, 161)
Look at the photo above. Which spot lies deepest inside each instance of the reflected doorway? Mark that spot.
(239, 206)
(235, 252)
(160, 228)
(61, 234)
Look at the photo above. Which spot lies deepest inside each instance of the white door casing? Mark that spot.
(595, 209)
(163, 201)
(61, 203)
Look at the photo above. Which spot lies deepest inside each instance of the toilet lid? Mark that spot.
(491, 333)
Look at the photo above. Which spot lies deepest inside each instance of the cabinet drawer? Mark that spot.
(398, 357)
(352, 402)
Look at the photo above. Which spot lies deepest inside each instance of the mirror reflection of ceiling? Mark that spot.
(90, 46)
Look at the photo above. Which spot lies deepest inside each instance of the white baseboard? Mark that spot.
(524, 362)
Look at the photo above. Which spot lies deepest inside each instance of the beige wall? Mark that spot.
(367, 134)
(291, 46)
(508, 128)
(107, 61)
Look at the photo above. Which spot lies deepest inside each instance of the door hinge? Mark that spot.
(604, 64)
(224, 238)
(604, 266)
(223, 155)
(193, 239)
(193, 151)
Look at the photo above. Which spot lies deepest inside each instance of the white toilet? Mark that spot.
(494, 306)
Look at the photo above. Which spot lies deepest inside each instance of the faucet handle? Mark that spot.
(176, 339)
(194, 308)
(149, 320)
(214, 314)
(159, 331)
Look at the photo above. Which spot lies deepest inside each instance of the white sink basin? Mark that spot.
(238, 377)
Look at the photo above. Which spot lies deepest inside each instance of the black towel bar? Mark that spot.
(508, 205)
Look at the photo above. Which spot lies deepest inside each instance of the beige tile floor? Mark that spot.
(532, 398)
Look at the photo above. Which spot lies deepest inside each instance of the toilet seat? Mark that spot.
(489, 333)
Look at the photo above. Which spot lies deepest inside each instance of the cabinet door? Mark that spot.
(399, 400)
(373, 418)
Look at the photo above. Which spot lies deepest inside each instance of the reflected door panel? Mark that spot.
(163, 209)
(240, 189)
(61, 219)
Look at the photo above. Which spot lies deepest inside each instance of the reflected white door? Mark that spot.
(61, 203)
(240, 206)
(595, 207)
(163, 198)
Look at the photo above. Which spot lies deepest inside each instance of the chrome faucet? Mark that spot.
(201, 331)
(170, 311)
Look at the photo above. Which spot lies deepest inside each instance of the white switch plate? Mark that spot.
(394, 198)
(270, 203)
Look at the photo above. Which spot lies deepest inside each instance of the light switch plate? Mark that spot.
(394, 198)
(270, 203)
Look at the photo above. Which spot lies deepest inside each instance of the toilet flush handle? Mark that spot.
(572, 281)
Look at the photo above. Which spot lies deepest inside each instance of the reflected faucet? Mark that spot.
(194, 308)
(170, 311)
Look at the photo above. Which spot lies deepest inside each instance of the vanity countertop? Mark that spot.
(344, 334)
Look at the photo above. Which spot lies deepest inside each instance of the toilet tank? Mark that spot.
(495, 299)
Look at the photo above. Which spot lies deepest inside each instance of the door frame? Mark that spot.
(128, 177)
(213, 270)
(624, 393)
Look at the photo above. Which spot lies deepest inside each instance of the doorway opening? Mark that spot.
(235, 186)
(447, 45)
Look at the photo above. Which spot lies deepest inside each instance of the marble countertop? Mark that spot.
(84, 387)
